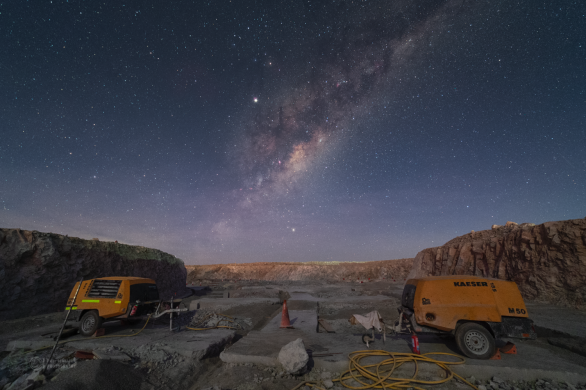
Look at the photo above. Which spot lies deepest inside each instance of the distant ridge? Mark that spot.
(325, 271)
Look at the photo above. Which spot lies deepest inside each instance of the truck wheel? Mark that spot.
(475, 341)
(90, 322)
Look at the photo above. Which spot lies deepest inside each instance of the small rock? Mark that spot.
(497, 379)
(326, 375)
(293, 356)
(328, 384)
(481, 387)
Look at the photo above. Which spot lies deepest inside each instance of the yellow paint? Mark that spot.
(442, 301)
(108, 307)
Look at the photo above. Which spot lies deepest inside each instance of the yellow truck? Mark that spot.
(112, 298)
(475, 310)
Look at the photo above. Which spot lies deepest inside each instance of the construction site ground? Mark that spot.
(246, 358)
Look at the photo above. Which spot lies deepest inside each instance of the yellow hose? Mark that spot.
(307, 383)
(379, 376)
(128, 335)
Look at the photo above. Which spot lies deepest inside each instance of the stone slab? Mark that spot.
(190, 344)
(535, 358)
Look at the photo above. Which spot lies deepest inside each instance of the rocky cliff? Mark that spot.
(315, 271)
(547, 261)
(38, 270)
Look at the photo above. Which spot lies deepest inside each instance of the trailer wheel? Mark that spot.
(475, 341)
(90, 322)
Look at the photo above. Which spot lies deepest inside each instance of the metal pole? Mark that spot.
(62, 326)
(171, 315)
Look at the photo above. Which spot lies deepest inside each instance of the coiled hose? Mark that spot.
(379, 375)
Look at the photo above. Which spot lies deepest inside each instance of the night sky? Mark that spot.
(241, 131)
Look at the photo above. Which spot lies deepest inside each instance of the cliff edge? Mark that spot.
(38, 270)
(547, 261)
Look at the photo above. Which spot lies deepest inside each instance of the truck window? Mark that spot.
(144, 292)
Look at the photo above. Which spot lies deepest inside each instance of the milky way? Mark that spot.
(355, 64)
(290, 131)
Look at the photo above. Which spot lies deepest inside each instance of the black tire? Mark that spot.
(90, 322)
(475, 341)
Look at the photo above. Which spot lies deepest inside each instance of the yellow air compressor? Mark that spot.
(475, 310)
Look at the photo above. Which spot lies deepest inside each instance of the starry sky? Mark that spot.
(262, 130)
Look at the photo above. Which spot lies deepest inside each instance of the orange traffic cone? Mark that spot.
(285, 322)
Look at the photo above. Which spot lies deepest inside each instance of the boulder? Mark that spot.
(293, 357)
(547, 261)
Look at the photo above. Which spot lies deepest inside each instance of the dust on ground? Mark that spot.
(150, 367)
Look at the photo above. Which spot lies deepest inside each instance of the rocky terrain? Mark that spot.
(314, 271)
(547, 261)
(38, 270)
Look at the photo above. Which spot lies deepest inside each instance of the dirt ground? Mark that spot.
(335, 303)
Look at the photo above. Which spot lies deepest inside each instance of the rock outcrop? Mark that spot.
(38, 270)
(315, 271)
(547, 261)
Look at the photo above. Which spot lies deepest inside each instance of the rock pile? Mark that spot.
(38, 270)
(210, 319)
(496, 383)
(547, 261)
(20, 369)
(151, 353)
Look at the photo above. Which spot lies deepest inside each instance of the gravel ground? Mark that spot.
(153, 368)
(99, 375)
